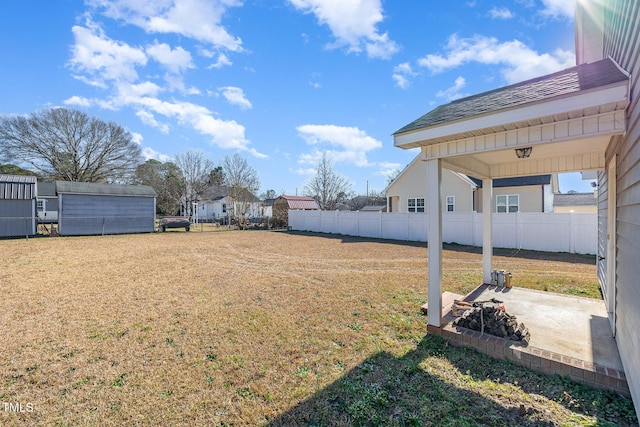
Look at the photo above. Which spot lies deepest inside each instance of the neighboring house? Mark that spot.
(575, 202)
(283, 204)
(221, 205)
(578, 119)
(17, 205)
(267, 208)
(407, 193)
(92, 209)
(373, 208)
(520, 194)
(47, 202)
(215, 208)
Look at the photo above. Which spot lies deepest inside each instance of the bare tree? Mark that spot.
(328, 187)
(67, 144)
(393, 175)
(243, 182)
(196, 171)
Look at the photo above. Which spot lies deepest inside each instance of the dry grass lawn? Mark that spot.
(252, 328)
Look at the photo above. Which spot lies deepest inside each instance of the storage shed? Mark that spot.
(90, 209)
(17, 205)
(283, 204)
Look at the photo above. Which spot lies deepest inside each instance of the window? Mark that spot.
(508, 203)
(415, 204)
(40, 205)
(451, 203)
(224, 208)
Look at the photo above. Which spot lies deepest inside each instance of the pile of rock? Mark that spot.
(494, 321)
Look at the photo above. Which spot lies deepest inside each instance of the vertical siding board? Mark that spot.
(621, 43)
(85, 214)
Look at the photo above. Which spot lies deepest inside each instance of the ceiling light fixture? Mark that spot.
(523, 153)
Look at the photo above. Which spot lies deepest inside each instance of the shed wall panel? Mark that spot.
(17, 218)
(621, 42)
(82, 215)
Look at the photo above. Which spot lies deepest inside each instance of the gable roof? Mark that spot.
(575, 199)
(299, 202)
(17, 187)
(46, 189)
(566, 82)
(518, 181)
(93, 188)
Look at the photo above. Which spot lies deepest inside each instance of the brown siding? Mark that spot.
(622, 32)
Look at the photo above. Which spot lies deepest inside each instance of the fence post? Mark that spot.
(572, 244)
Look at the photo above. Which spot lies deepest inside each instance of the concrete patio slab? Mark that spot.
(569, 335)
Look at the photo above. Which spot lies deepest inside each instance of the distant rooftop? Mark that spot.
(575, 199)
(104, 189)
(518, 181)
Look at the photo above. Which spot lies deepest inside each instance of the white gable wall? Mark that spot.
(412, 183)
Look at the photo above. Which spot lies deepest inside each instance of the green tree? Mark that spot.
(10, 169)
(168, 182)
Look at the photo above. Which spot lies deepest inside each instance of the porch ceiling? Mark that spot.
(568, 118)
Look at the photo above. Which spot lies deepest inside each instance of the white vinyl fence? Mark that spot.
(551, 232)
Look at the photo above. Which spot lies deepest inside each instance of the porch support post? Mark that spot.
(434, 206)
(487, 223)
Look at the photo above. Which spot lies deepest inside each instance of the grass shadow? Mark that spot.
(421, 388)
(455, 247)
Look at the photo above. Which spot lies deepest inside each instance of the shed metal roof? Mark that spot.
(104, 189)
(17, 187)
(566, 82)
(300, 202)
(46, 189)
(18, 178)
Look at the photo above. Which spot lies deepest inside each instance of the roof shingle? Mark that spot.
(569, 81)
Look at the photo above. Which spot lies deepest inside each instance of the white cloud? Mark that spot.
(235, 96)
(519, 61)
(78, 101)
(150, 153)
(223, 61)
(136, 137)
(387, 169)
(402, 74)
(174, 60)
(559, 8)
(351, 143)
(148, 119)
(453, 92)
(500, 13)
(102, 58)
(115, 66)
(196, 19)
(353, 23)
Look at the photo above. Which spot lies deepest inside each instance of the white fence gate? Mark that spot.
(550, 232)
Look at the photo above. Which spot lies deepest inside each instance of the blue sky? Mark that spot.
(278, 81)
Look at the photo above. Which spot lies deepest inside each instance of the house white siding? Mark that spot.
(412, 184)
(621, 42)
(531, 197)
